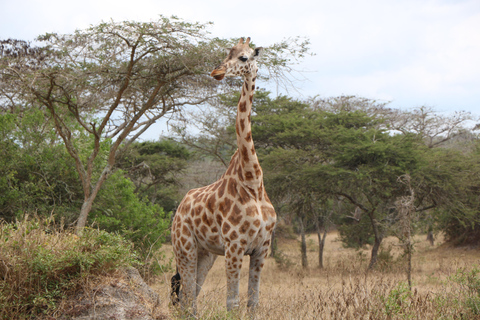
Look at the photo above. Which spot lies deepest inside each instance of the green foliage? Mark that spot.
(37, 175)
(119, 209)
(398, 302)
(35, 170)
(154, 168)
(356, 234)
(469, 281)
(42, 265)
(454, 177)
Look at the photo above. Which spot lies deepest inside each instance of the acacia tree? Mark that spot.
(338, 153)
(115, 80)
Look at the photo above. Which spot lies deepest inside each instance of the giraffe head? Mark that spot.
(241, 60)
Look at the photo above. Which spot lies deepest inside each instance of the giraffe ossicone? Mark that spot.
(233, 216)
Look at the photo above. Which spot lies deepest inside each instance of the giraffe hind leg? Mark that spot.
(175, 283)
(186, 259)
(205, 262)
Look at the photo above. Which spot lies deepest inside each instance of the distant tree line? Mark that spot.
(340, 162)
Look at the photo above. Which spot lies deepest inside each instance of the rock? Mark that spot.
(126, 298)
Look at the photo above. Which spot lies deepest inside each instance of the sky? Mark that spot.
(410, 53)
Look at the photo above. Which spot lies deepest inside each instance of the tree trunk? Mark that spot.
(378, 240)
(374, 257)
(321, 242)
(409, 250)
(82, 218)
(303, 244)
(273, 244)
(430, 238)
(321, 245)
(88, 202)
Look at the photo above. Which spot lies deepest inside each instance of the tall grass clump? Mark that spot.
(41, 266)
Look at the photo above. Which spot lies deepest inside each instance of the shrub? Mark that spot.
(469, 281)
(356, 234)
(119, 209)
(398, 301)
(40, 266)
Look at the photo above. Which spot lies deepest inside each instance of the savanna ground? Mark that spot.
(343, 289)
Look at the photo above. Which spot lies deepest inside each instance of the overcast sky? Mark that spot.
(411, 52)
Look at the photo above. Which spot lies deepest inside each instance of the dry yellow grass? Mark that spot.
(343, 289)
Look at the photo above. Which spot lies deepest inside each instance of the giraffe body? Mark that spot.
(233, 216)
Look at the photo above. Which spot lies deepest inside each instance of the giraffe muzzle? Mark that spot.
(218, 73)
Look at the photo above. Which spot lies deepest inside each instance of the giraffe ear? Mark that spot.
(227, 50)
(258, 52)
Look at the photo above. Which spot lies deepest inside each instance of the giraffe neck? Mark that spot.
(248, 165)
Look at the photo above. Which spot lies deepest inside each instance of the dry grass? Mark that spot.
(342, 290)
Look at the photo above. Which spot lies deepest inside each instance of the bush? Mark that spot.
(40, 266)
(469, 281)
(355, 234)
(36, 173)
(398, 301)
(118, 209)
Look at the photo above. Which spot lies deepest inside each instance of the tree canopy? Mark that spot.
(103, 86)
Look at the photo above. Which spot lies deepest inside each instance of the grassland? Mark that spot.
(343, 289)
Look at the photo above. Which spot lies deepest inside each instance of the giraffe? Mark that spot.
(233, 216)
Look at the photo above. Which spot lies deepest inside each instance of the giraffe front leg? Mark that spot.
(233, 264)
(256, 266)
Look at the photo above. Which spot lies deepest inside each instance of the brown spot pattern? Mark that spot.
(219, 219)
(243, 196)
(235, 216)
(207, 220)
(245, 156)
(183, 240)
(211, 202)
(248, 175)
(244, 227)
(225, 206)
(233, 236)
(185, 231)
(221, 189)
(197, 222)
(248, 138)
(251, 211)
(242, 106)
(226, 227)
(232, 186)
(242, 124)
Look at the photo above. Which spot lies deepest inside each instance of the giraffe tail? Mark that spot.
(175, 282)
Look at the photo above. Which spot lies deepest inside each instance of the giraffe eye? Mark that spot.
(243, 58)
